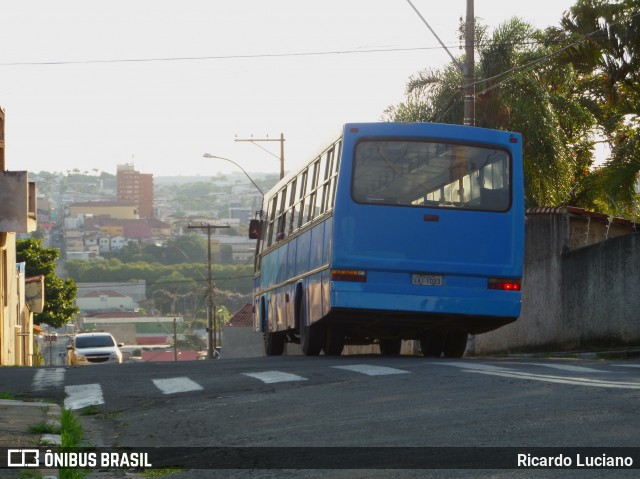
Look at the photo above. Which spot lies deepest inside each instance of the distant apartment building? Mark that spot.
(136, 187)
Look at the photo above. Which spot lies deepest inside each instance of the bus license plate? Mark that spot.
(427, 279)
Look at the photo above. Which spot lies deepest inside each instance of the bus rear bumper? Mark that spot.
(475, 314)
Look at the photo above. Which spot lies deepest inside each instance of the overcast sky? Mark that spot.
(90, 84)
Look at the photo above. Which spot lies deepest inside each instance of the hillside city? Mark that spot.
(97, 217)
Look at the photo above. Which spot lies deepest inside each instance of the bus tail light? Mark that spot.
(348, 275)
(504, 284)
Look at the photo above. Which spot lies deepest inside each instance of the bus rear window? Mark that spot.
(431, 174)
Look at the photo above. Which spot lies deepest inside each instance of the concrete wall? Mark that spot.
(581, 286)
(240, 342)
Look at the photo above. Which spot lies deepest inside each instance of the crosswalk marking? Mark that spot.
(48, 378)
(83, 395)
(176, 385)
(371, 370)
(269, 377)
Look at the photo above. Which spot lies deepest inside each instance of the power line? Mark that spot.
(247, 56)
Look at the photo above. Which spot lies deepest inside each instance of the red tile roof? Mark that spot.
(243, 318)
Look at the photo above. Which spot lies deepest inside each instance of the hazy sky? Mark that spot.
(90, 84)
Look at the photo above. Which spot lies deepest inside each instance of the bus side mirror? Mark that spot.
(254, 229)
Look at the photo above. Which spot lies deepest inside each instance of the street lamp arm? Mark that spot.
(207, 155)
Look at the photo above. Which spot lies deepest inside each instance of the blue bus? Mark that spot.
(395, 231)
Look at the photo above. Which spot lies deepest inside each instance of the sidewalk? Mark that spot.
(15, 419)
(18, 416)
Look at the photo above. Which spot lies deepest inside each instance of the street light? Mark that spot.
(207, 155)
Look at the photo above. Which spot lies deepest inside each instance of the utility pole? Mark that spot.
(469, 66)
(175, 341)
(211, 326)
(467, 69)
(281, 140)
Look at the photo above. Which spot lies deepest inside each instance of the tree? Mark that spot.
(603, 45)
(59, 294)
(518, 88)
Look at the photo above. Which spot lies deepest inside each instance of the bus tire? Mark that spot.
(390, 347)
(455, 344)
(311, 340)
(333, 342)
(432, 345)
(273, 344)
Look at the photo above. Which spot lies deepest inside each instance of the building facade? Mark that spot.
(121, 210)
(17, 215)
(136, 187)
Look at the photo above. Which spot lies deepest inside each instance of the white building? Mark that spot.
(117, 242)
(105, 300)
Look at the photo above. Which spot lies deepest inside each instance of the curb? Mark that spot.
(53, 419)
(621, 354)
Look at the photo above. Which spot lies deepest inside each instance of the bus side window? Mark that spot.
(271, 212)
(291, 207)
(302, 187)
(334, 175)
(281, 227)
(282, 199)
(323, 177)
(310, 197)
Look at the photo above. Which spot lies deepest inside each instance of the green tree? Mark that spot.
(520, 88)
(59, 294)
(602, 39)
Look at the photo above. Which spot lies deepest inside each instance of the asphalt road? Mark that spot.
(354, 401)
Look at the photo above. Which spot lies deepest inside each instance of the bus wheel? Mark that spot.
(432, 345)
(333, 342)
(455, 345)
(390, 347)
(311, 340)
(273, 344)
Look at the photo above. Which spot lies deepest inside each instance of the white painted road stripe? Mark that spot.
(568, 367)
(176, 385)
(269, 377)
(48, 378)
(83, 395)
(371, 370)
(470, 365)
(562, 380)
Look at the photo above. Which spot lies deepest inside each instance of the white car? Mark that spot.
(94, 348)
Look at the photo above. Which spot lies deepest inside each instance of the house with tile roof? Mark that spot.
(239, 340)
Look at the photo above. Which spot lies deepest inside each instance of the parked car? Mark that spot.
(94, 348)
